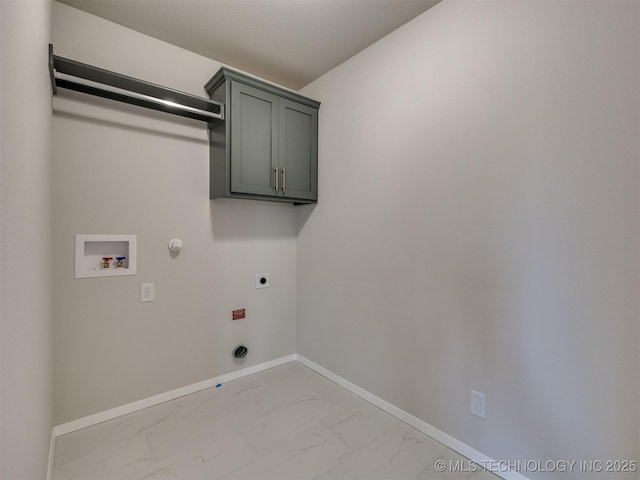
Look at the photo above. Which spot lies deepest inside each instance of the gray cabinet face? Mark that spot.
(298, 154)
(267, 147)
(254, 142)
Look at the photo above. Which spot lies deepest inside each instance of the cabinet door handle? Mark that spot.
(284, 179)
(275, 174)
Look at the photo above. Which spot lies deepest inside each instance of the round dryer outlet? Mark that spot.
(262, 280)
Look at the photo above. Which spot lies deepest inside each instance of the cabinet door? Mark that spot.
(298, 154)
(254, 140)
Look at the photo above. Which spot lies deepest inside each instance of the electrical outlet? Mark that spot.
(477, 404)
(262, 280)
(146, 292)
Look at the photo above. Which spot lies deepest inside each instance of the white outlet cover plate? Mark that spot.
(478, 404)
(259, 283)
(147, 293)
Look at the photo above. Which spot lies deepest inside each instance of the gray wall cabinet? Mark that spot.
(267, 146)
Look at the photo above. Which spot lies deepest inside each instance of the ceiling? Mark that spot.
(290, 42)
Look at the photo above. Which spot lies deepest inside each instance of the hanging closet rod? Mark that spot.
(84, 78)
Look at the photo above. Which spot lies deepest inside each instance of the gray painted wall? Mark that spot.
(124, 170)
(26, 387)
(477, 226)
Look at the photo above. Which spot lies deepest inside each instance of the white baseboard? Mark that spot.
(447, 440)
(94, 419)
(440, 436)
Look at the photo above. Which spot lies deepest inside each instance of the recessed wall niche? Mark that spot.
(105, 255)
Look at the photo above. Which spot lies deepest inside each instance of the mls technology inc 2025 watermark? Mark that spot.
(530, 466)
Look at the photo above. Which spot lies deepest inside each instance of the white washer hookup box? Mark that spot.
(105, 255)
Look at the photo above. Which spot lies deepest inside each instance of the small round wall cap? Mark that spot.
(175, 245)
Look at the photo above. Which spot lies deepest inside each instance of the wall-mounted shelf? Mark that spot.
(96, 81)
(92, 250)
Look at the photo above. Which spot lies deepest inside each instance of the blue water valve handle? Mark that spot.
(120, 264)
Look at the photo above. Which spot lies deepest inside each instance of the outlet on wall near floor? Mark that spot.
(477, 404)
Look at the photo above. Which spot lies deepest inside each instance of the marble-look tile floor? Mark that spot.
(287, 422)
